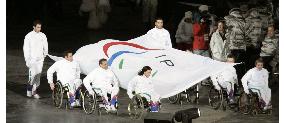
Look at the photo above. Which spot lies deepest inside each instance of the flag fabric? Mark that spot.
(173, 71)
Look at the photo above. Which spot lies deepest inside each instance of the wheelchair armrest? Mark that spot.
(254, 93)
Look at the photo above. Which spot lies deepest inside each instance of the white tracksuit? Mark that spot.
(159, 38)
(257, 79)
(226, 79)
(35, 49)
(68, 73)
(103, 82)
(143, 86)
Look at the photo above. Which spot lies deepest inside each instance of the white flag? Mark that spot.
(173, 71)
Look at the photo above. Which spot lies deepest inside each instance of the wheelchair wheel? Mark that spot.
(254, 105)
(192, 94)
(174, 99)
(269, 112)
(224, 104)
(215, 98)
(136, 107)
(254, 112)
(243, 105)
(57, 95)
(89, 102)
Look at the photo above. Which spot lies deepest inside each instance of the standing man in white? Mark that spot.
(158, 36)
(35, 50)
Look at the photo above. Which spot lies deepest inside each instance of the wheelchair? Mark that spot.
(138, 107)
(250, 104)
(219, 98)
(95, 102)
(190, 95)
(61, 97)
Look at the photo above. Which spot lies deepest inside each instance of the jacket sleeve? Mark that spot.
(27, 51)
(45, 46)
(245, 79)
(50, 72)
(78, 71)
(168, 41)
(88, 80)
(266, 75)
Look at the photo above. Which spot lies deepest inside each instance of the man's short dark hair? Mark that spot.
(259, 60)
(158, 18)
(102, 60)
(36, 22)
(231, 56)
(65, 53)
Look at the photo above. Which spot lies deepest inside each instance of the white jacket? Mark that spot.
(159, 38)
(228, 75)
(184, 32)
(218, 47)
(140, 84)
(255, 78)
(100, 78)
(66, 71)
(35, 47)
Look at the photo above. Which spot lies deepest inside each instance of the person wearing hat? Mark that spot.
(209, 18)
(200, 33)
(184, 34)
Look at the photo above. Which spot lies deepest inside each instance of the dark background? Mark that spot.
(65, 29)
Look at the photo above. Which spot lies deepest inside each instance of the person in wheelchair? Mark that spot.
(256, 80)
(105, 82)
(227, 79)
(68, 73)
(143, 85)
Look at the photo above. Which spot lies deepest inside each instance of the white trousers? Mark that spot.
(227, 85)
(73, 86)
(264, 92)
(104, 90)
(35, 70)
(151, 96)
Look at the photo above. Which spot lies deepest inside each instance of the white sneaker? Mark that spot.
(101, 106)
(73, 104)
(108, 108)
(36, 96)
(29, 93)
(267, 107)
(77, 102)
(112, 107)
(153, 111)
